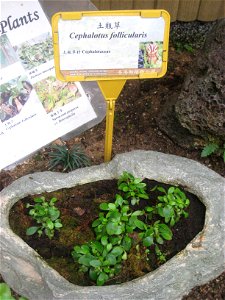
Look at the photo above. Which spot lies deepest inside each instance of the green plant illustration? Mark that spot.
(14, 87)
(47, 215)
(34, 53)
(11, 91)
(54, 93)
(117, 221)
(69, 159)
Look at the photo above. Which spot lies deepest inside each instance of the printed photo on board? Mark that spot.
(13, 96)
(54, 93)
(36, 51)
(150, 54)
(7, 53)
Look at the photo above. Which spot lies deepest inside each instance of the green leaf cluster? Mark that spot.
(46, 216)
(118, 220)
(101, 259)
(133, 188)
(172, 204)
(213, 148)
(69, 159)
(33, 55)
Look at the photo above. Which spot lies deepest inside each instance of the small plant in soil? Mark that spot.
(119, 221)
(47, 215)
(132, 187)
(172, 204)
(214, 148)
(69, 159)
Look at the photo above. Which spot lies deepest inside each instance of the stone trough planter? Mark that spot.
(202, 260)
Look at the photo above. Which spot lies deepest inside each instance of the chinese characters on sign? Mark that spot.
(104, 44)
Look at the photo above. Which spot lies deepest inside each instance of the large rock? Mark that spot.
(201, 105)
(202, 260)
(198, 112)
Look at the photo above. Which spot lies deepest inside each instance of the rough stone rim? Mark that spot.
(28, 273)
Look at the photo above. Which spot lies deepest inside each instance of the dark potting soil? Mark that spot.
(79, 206)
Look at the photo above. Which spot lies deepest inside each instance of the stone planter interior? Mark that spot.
(202, 260)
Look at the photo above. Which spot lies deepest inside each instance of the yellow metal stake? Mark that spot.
(111, 90)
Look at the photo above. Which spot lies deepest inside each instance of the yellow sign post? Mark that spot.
(110, 47)
(110, 90)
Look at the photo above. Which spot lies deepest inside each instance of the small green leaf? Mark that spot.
(124, 256)
(102, 278)
(167, 212)
(54, 213)
(96, 245)
(85, 260)
(149, 208)
(143, 196)
(209, 149)
(104, 240)
(148, 241)
(138, 180)
(95, 263)
(159, 240)
(109, 247)
(127, 243)
(113, 228)
(39, 200)
(53, 200)
(161, 189)
(31, 230)
(93, 274)
(125, 189)
(50, 224)
(160, 211)
(134, 201)
(165, 232)
(171, 190)
(84, 249)
(141, 225)
(119, 200)
(138, 213)
(32, 212)
(117, 251)
(5, 292)
(104, 206)
(111, 259)
(111, 206)
(125, 208)
(172, 222)
(114, 240)
(114, 216)
(96, 223)
(58, 224)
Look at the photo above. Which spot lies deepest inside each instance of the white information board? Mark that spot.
(35, 107)
(111, 44)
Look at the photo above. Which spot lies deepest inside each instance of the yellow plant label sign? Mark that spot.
(108, 45)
